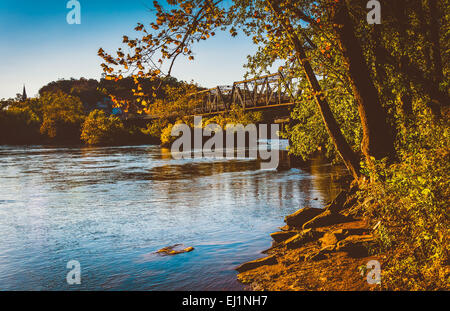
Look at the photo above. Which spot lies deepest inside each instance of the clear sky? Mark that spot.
(38, 46)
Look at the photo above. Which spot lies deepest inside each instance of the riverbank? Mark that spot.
(317, 249)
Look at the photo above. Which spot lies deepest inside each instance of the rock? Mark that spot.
(328, 239)
(327, 249)
(281, 236)
(301, 216)
(356, 245)
(327, 218)
(318, 256)
(170, 250)
(344, 200)
(302, 238)
(269, 260)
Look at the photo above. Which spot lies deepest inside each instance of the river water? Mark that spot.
(111, 208)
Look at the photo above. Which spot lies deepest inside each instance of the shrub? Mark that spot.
(98, 129)
(19, 126)
(62, 116)
(411, 202)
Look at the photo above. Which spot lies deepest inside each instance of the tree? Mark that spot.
(326, 38)
(192, 21)
(378, 141)
(98, 129)
(62, 116)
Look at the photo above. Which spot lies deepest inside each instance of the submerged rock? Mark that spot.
(171, 250)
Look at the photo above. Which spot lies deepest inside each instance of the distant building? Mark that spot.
(24, 93)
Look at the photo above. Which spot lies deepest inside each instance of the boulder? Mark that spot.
(327, 218)
(281, 236)
(344, 200)
(302, 238)
(317, 256)
(301, 216)
(329, 238)
(337, 204)
(270, 260)
(285, 228)
(356, 245)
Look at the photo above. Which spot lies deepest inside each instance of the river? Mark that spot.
(111, 208)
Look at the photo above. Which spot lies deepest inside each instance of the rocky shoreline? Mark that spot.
(317, 249)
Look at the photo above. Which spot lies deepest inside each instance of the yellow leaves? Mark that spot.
(156, 27)
(191, 57)
(139, 27)
(179, 36)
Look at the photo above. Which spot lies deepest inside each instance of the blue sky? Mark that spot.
(38, 46)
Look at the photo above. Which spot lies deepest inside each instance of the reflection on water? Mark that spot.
(111, 208)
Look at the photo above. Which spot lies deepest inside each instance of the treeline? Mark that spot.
(68, 112)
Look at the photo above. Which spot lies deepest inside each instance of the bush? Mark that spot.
(98, 129)
(411, 202)
(62, 116)
(19, 126)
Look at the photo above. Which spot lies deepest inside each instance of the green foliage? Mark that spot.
(155, 128)
(19, 125)
(98, 129)
(236, 115)
(62, 116)
(410, 199)
(166, 137)
(307, 132)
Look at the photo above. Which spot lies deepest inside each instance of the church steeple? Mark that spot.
(24, 93)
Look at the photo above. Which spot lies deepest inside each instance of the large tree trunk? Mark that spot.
(377, 139)
(350, 158)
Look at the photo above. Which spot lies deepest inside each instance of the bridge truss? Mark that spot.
(263, 92)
